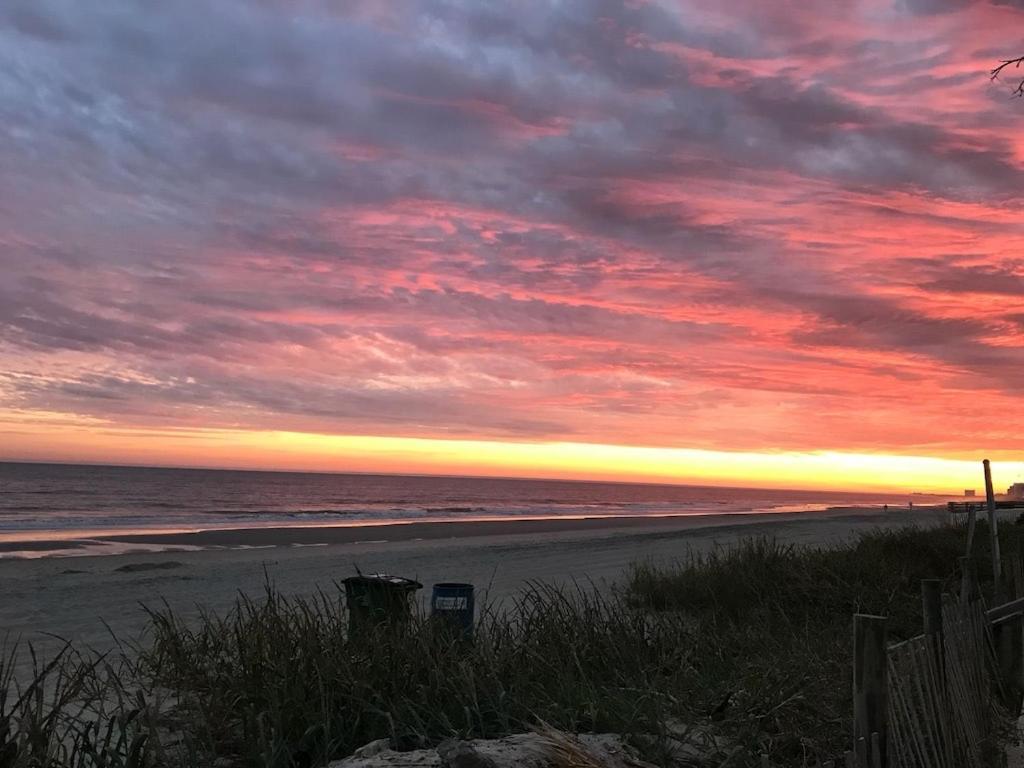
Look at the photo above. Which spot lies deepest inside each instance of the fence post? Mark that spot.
(968, 581)
(870, 690)
(1008, 639)
(972, 522)
(876, 752)
(993, 527)
(1016, 576)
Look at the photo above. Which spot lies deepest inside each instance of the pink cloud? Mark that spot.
(754, 226)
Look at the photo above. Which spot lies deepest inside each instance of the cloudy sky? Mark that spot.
(733, 226)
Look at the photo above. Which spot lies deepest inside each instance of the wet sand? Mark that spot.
(374, 533)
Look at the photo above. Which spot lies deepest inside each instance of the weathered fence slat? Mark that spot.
(993, 526)
(870, 689)
(860, 749)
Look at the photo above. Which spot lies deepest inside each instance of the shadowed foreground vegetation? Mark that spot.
(741, 652)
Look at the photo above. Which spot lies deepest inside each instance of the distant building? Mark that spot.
(1015, 491)
(969, 493)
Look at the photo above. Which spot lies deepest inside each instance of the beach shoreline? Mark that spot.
(92, 599)
(110, 542)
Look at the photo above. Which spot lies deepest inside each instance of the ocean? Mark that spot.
(40, 502)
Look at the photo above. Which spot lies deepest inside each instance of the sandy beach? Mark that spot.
(79, 598)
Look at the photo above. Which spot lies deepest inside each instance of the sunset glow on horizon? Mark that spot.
(289, 451)
(740, 243)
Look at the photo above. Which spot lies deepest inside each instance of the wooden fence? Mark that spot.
(948, 697)
(945, 698)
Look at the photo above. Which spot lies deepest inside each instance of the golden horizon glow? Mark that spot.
(295, 451)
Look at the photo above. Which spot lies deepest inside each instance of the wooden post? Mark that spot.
(968, 581)
(972, 522)
(993, 529)
(876, 752)
(1008, 639)
(861, 752)
(870, 692)
(1008, 636)
(1015, 662)
(1016, 575)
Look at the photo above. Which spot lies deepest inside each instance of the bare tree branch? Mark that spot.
(1015, 63)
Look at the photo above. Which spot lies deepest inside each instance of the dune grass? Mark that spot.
(278, 682)
(741, 652)
(74, 711)
(774, 624)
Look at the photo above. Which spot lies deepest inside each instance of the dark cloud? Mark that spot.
(978, 279)
(874, 323)
(877, 323)
(931, 7)
(29, 21)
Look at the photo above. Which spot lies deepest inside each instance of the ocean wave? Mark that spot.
(101, 499)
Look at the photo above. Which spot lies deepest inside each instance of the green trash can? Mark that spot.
(378, 599)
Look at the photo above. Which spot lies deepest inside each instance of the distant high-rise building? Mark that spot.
(969, 492)
(1015, 491)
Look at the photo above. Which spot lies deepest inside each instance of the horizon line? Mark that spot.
(520, 478)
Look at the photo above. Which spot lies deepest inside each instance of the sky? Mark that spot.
(739, 241)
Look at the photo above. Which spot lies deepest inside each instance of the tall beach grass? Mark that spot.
(74, 710)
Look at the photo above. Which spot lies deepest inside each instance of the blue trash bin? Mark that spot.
(453, 603)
